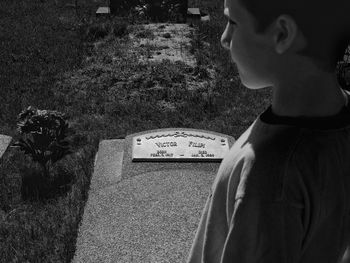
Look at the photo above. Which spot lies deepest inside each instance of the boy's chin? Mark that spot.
(254, 86)
(252, 83)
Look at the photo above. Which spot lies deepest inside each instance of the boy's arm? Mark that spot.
(197, 246)
(346, 256)
(263, 232)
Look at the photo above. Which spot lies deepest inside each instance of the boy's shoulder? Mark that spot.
(258, 163)
(264, 142)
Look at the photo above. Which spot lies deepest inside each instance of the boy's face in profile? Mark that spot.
(253, 53)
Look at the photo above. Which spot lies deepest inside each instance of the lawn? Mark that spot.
(53, 57)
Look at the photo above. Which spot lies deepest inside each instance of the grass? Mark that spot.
(33, 231)
(54, 58)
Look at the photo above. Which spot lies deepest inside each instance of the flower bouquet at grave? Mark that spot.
(44, 136)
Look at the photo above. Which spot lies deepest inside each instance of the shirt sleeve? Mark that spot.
(197, 246)
(263, 232)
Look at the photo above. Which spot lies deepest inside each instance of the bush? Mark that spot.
(44, 137)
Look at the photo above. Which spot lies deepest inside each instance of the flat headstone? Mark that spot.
(103, 10)
(193, 11)
(179, 146)
(4, 143)
(140, 211)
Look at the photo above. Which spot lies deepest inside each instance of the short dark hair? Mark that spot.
(325, 24)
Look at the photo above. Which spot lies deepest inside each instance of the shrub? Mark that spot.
(44, 137)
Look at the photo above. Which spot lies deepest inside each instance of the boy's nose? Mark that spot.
(225, 39)
(225, 43)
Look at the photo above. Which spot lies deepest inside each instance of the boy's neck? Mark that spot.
(314, 95)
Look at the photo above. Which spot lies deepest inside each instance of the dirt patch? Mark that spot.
(156, 42)
(165, 41)
(155, 62)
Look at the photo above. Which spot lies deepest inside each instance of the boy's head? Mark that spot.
(325, 24)
(258, 32)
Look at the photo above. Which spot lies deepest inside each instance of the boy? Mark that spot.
(282, 194)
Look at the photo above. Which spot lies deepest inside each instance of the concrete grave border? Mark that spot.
(129, 216)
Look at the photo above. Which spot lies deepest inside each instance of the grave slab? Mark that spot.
(140, 211)
(4, 143)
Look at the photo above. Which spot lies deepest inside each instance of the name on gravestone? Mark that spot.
(179, 146)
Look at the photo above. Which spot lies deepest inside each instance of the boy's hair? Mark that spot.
(325, 25)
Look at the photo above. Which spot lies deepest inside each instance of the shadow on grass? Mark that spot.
(43, 228)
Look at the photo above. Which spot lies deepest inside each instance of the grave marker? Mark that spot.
(194, 11)
(194, 15)
(179, 146)
(143, 208)
(102, 11)
(4, 143)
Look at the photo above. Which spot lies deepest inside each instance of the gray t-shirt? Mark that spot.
(282, 194)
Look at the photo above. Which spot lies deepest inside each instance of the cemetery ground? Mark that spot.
(104, 75)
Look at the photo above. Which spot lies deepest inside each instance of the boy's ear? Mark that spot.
(286, 34)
